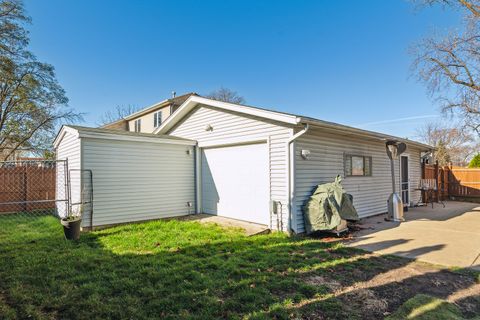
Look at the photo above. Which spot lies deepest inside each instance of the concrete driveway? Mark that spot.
(447, 236)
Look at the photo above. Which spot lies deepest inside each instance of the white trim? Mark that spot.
(231, 142)
(270, 199)
(78, 133)
(193, 101)
(61, 134)
(134, 138)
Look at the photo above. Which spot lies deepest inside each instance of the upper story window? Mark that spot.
(157, 119)
(138, 125)
(358, 165)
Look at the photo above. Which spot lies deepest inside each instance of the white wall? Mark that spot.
(229, 126)
(326, 161)
(68, 149)
(136, 181)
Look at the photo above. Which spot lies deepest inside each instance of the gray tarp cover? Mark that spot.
(327, 206)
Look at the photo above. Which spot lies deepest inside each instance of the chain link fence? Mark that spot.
(34, 189)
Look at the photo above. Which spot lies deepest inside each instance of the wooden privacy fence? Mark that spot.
(453, 181)
(27, 188)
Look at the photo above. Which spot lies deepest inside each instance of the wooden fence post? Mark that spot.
(446, 180)
(437, 180)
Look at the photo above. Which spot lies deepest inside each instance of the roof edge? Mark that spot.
(367, 133)
(193, 101)
(87, 132)
(160, 104)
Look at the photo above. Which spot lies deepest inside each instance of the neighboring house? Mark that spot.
(7, 155)
(235, 161)
(149, 118)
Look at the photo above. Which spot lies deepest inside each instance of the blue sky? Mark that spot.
(341, 61)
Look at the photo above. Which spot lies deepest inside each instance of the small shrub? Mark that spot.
(475, 162)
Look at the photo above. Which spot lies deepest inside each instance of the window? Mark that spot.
(138, 125)
(157, 119)
(358, 165)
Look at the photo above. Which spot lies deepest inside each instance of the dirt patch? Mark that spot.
(332, 285)
(373, 286)
(367, 302)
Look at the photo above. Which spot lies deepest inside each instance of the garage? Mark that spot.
(235, 182)
(136, 177)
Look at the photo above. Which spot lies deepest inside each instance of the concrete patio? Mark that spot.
(250, 228)
(447, 236)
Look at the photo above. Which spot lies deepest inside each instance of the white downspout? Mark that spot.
(291, 171)
(198, 180)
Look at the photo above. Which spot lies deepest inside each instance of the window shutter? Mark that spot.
(368, 166)
(348, 165)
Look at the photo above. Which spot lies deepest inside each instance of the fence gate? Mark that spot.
(35, 189)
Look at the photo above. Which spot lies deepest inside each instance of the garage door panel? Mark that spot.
(235, 182)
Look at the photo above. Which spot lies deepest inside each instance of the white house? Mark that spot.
(236, 161)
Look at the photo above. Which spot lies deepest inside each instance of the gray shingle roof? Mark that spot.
(125, 133)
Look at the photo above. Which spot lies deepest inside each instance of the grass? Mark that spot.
(424, 307)
(173, 270)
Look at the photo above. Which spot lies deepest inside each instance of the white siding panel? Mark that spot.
(136, 181)
(69, 149)
(326, 161)
(229, 126)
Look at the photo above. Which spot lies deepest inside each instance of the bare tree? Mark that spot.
(453, 143)
(450, 65)
(226, 95)
(118, 113)
(32, 102)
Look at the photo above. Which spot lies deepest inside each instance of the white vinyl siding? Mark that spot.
(136, 181)
(69, 149)
(230, 126)
(326, 161)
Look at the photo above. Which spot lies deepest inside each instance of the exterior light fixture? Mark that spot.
(305, 154)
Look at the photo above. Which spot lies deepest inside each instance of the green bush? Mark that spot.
(475, 162)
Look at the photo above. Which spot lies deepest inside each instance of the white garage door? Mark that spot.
(235, 182)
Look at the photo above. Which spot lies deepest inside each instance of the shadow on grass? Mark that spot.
(181, 269)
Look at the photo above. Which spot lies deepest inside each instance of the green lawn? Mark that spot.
(423, 307)
(181, 270)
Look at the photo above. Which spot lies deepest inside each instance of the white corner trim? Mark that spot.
(61, 134)
(193, 101)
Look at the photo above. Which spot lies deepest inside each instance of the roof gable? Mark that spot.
(194, 101)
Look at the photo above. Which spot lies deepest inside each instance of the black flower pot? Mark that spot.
(71, 228)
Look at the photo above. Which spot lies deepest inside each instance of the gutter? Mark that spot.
(290, 176)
